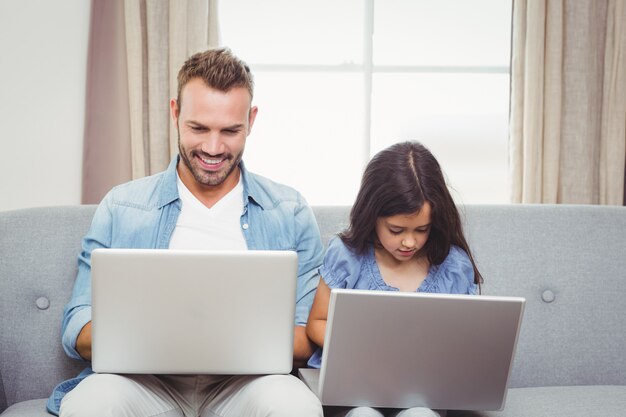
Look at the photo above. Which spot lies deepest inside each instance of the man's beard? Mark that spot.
(208, 178)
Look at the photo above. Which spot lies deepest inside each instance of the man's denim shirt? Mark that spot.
(143, 214)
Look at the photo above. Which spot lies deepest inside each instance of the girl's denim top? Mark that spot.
(342, 268)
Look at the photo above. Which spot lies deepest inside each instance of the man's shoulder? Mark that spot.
(270, 193)
(143, 193)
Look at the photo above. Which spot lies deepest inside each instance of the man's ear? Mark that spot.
(174, 110)
(252, 117)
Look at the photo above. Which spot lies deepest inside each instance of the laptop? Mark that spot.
(402, 350)
(160, 311)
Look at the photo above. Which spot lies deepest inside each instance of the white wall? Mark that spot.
(43, 61)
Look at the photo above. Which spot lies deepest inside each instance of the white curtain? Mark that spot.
(568, 101)
(160, 36)
(136, 48)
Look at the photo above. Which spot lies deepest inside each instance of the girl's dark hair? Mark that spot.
(399, 180)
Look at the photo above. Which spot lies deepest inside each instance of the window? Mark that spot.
(337, 81)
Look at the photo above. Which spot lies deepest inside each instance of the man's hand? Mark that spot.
(83, 342)
(302, 346)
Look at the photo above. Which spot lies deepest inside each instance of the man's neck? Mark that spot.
(208, 195)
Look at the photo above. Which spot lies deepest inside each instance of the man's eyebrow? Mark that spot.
(194, 123)
(234, 127)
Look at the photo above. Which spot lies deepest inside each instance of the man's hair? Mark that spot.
(399, 180)
(219, 68)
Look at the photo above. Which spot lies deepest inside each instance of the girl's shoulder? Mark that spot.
(455, 275)
(338, 249)
(457, 255)
(340, 262)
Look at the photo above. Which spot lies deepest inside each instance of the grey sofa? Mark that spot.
(568, 261)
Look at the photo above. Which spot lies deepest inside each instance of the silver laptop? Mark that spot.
(161, 311)
(401, 350)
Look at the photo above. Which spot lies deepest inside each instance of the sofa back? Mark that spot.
(569, 262)
(38, 263)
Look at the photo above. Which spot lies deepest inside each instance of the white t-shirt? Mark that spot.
(218, 227)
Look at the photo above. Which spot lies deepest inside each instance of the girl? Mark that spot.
(404, 234)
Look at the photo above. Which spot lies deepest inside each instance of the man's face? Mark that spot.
(212, 129)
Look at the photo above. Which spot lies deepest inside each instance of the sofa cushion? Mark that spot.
(576, 401)
(3, 398)
(30, 408)
(579, 401)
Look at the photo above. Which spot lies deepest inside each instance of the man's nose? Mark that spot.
(213, 144)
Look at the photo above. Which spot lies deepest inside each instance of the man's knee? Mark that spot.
(285, 395)
(420, 412)
(110, 395)
(364, 412)
(92, 396)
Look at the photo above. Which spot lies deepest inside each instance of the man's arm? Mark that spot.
(310, 255)
(76, 325)
(83, 342)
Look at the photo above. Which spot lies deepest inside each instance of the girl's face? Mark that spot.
(402, 235)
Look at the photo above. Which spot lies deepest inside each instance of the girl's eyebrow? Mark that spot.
(402, 227)
(391, 224)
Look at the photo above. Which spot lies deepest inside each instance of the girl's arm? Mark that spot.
(316, 326)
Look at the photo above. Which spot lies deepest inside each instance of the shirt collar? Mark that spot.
(251, 190)
(169, 190)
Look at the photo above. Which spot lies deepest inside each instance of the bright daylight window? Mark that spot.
(337, 81)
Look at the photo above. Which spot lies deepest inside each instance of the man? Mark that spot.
(205, 199)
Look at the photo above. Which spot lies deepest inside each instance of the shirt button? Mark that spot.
(245, 226)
